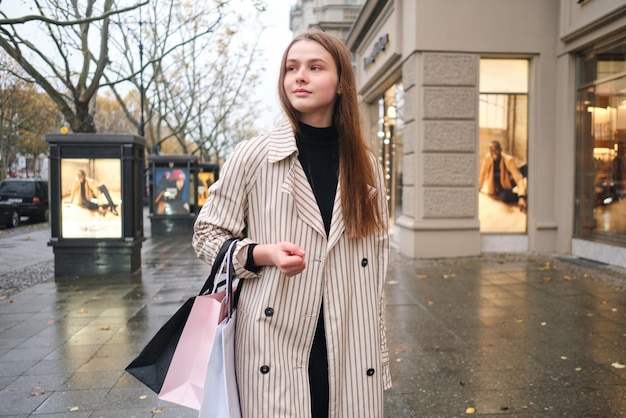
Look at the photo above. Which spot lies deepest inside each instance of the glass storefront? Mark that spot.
(503, 145)
(390, 127)
(601, 144)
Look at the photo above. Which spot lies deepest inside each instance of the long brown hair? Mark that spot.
(360, 211)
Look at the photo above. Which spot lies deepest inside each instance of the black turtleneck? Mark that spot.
(319, 155)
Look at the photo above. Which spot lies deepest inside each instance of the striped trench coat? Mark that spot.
(263, 195)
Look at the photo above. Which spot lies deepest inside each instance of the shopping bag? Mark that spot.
(186, 375)
(151, 365)
(220, 398)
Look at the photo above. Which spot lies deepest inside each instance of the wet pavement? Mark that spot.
(515, 335)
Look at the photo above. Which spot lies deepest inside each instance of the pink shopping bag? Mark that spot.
(185, 377)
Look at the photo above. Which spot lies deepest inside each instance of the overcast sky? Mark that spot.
(274, 41)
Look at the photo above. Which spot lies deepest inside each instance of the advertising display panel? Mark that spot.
(172, 191)
(503, 146)
(91, 201)
(205, 180)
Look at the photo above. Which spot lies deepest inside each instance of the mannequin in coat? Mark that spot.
(308, 201)
(499, 175)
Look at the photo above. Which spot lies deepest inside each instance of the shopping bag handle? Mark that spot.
(218, 264)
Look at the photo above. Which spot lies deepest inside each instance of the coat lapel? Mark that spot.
(283, 147)
(337, 227)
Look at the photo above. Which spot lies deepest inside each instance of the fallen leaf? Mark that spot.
(3, 297)
(470, 410)
(74, 409)
(578, 369)
(567, 278)
(158, 410)
(422, 276)
(28, 238)
(105, 327)
(392, 282)
(543, 324)
(546, 279)
(37, 392)
(563, 357)
(431, 303)
(50, 322)
(400, 350)
(614, 310)
(142, 397)
(445, 276)
(618, 365)
(83, 310)
(11, 300)
(95, 298)
(604, 302)
(519, 321)
(453, 275)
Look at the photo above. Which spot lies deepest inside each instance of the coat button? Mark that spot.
(370, 372)
(364, 262)
(264, 369)
(269, 312)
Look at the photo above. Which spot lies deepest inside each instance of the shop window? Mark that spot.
(601, 145)
(503, 145)
(390, 127)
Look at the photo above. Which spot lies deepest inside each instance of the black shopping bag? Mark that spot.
(151, 365)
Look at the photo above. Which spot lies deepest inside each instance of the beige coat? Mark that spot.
(263, 195)
(508, 169)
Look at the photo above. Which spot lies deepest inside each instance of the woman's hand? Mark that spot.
(288, 257)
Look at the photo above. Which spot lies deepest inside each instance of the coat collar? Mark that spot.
(282, 145)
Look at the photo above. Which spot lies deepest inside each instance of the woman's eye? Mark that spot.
(316, 68)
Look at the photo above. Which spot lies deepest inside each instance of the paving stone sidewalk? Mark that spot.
(515, 335)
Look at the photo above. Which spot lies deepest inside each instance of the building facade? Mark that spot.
(444, 82)
(333, 16)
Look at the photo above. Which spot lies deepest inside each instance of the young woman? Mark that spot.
(308, 201)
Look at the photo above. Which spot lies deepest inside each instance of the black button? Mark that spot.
(370, 372)
(269, 312)
(364, 262)
(265, 369)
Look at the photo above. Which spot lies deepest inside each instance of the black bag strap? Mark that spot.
(208, 285)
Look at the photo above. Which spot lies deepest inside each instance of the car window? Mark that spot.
(17, 188)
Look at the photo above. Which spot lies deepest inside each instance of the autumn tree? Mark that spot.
(188, 62)
(26, 115)
(200, 64)
(63, 46)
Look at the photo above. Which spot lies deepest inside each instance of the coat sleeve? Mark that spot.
(225, 213)
(382, 241)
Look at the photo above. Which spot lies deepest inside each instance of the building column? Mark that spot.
(440, 192)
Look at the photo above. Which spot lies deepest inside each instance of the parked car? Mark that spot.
(9, 215)
(30, 195)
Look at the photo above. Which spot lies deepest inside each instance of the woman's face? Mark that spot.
(311, 82)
